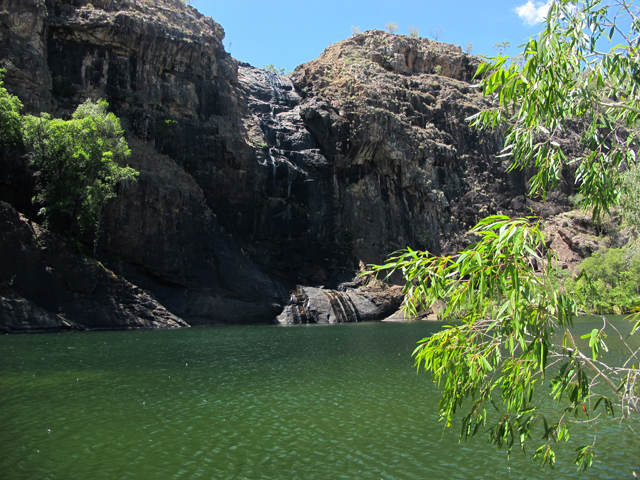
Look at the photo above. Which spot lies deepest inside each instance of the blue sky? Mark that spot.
(286, 33)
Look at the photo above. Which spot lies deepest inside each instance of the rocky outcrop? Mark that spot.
(318, 305)
(19, 315)
(574, 236)
(389, 111)
(252, 183)
(46, 286)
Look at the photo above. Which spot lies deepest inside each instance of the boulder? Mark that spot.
(319, 305)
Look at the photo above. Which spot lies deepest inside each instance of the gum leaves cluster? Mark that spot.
(564, 82)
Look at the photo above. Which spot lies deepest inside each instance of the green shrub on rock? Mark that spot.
(79, 163)
(10, 120)
(609, 280)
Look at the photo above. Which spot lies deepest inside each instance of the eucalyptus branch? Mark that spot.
(618, 105)
(589, 420)
(616, 26)
(633, 353)
(500, 286)
(588, 362)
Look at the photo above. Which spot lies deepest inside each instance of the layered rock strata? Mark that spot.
(318, 305)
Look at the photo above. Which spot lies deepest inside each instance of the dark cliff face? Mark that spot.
(52, 288)
(162, 67)
(251, 182)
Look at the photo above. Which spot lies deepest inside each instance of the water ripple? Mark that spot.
(251, 402)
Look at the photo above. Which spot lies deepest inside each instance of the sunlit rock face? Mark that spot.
(317, 305)
(370, 142)
(250, 182)
(389, 112)
(352, 303)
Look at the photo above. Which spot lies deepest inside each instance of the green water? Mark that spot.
(306, 402)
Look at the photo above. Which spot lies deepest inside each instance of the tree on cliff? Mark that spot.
(79, 163)
(516, 329)
(10, 120)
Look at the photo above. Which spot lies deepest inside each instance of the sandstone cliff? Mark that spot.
(252, 183)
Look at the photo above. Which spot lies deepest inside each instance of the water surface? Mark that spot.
(262, 402)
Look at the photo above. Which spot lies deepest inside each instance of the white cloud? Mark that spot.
(533, 13)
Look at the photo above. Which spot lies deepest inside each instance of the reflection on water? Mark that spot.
(307, 402)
